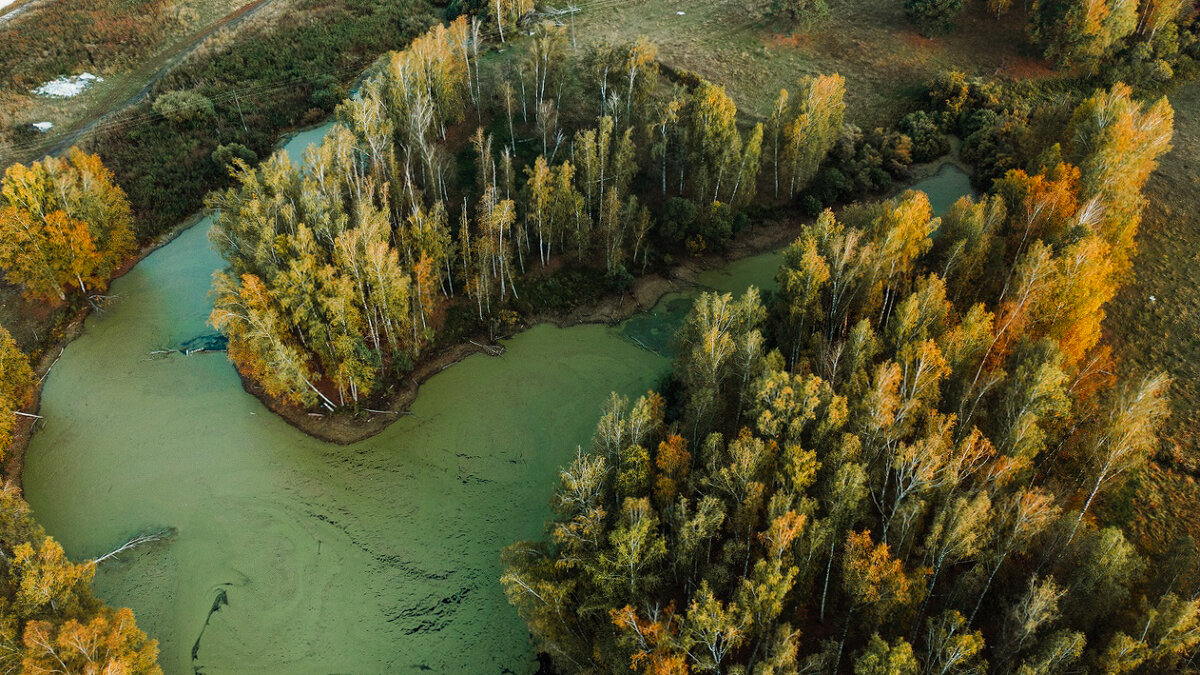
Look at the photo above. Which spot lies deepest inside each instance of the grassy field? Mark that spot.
(1155, 324)
(127, 42)
(885, 61)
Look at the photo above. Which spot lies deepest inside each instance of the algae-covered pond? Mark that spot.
(296, 556)
(377, 557)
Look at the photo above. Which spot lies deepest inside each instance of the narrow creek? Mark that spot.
(296, 556)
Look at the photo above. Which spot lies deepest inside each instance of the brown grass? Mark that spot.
(1164, 333)
(885, 61)
(176, 26)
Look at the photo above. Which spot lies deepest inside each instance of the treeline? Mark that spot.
(65, 227)
(1146, 43)
(50, 622)
(1005, 128)
(892, 464)
(342, 269)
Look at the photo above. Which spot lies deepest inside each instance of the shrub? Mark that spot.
(225, 154)
(860, 164)
(996, 147)
(802, 12)
(678, 221)
(928, 141)
(717, 226)
(618, 279)
(182, 107)
(933, 17)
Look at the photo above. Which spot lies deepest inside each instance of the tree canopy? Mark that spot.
(890, 465)
(65, 226)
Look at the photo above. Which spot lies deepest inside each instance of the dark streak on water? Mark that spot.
(220, 601)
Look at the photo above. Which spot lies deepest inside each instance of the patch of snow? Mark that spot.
(42, 126)
(67, 87)
(6, 3)
(681, 12)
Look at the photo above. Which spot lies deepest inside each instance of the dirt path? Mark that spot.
(146, 76)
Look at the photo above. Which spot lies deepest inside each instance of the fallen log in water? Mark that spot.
(490, 350)
(150, 537)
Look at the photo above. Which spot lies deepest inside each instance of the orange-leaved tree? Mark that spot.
(65, 226)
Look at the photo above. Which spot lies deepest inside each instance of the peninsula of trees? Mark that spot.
(342, 270)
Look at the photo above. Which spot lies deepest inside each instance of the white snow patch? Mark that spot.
(6, 3)
(681, 12)
(41, 126)
(67, 87)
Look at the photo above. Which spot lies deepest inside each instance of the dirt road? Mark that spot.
(130, 88)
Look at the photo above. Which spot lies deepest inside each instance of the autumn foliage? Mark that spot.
(893, 465)
(50, 622)
(343, 268)
(65, 226)
(16, 386)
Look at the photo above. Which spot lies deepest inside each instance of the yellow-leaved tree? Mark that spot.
(16, 386)
(65, 226)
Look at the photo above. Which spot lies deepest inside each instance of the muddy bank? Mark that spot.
(346, 427)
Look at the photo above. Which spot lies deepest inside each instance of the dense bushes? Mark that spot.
(182, 107)
(992, 120)
(933, 17)
(800, 12)
(266, 80)
(860, 164)
(928, 141)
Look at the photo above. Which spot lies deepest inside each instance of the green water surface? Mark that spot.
(296, 556)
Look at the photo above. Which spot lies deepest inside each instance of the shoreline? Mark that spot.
(72, 328)
(349, 427)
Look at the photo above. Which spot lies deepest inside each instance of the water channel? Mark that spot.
(296, 556)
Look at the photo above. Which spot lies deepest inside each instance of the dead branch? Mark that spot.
(47, 373)
(491, 350)
(141, 539)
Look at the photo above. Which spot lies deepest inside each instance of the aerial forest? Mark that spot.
(342, 269)
(917, 453)
(893, 463)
